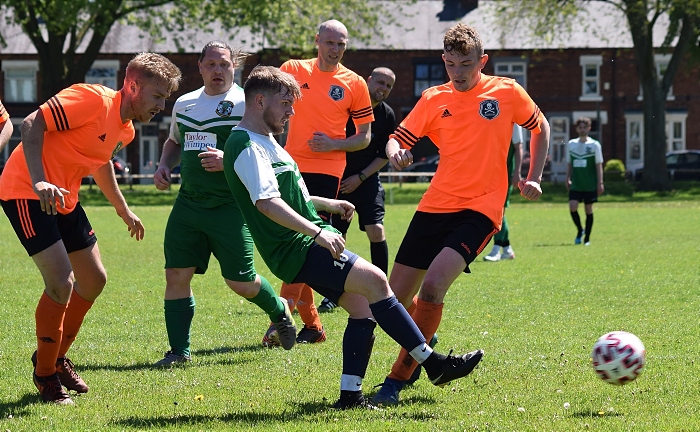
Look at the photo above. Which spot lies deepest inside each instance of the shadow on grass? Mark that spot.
(299, 412)
(198, 353)
(18, 408)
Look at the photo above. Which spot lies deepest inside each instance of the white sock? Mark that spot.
(421, 352)
(350, 382)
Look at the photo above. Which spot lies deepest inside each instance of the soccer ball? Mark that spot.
(618, 357)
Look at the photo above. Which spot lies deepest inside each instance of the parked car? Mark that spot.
(427, 164)
(681, 165)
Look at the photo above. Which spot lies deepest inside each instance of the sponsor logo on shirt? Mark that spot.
(336, 93)
(102, 137)
(305, 86)
(224, 109)
(198, 141)
(446, 113)
(489, 109)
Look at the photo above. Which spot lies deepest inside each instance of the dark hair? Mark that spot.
(238, 57)
(463, 39)
(268, 80)
(150, 66)
(584, 120)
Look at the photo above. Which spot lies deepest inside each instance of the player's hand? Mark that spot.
(50, 196)
(530, 189)
(332, 241)
(161, 178)
(134, 224)
(343, 208)
(212, 159)
(601, 189)
(350, 184)
(321, 142)
(401, 159)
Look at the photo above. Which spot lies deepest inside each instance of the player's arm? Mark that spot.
(172, 154)
(351, 183)
(568, 175)
(539, 145)
(280, 212)
(107, 182)
(399, 157)
(599, 170)
(340, 207)
(6, 130)
(321, 142)
(50, 195)
(518, 155)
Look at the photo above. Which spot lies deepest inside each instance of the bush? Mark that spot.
(614, 165)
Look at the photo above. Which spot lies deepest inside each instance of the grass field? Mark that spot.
(536, 317)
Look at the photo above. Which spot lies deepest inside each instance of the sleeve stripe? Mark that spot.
(532, 121)
(2, 110)
(59, 115)
(405, 136)
(365, 112)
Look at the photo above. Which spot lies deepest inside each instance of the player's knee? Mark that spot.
(375, 233)
(244, 289)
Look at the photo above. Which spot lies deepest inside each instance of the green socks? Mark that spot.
(178, 320)
(267, 300)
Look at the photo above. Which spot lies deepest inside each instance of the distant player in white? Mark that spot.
(584, 177)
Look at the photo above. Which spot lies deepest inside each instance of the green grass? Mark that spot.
(536, 317)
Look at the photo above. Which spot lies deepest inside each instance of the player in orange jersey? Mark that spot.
(75, 133)
(470, 119)
(5, 127)
(317, 141)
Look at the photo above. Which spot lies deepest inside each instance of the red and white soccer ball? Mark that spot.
(618, 357)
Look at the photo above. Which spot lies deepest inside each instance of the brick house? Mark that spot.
(590, 72)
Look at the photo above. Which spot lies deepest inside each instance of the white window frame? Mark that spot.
(661, 61)
(671, 119)
(595, 61)
(508, 64)
(557, 147)
(7, 66)
(105, 64)
(632, 141)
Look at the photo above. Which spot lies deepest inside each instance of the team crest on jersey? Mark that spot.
(489, 109)
(224, 109)
(336, 93)
(117, 148)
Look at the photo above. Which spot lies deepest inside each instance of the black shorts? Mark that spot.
(37, 230)
(368, 200)
(585, 197)
(466, 231)
(325, 274)
(322, 185)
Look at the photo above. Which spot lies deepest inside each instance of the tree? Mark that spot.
(550, 17)
(59, 28)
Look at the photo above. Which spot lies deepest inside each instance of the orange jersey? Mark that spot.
(84, 132)
(4, 115)
(328, 100)
(472, 131)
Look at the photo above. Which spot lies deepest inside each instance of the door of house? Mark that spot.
(559, 136)
(148, 152)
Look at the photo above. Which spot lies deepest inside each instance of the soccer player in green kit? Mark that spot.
(205, 219)
(299, 247)
(584, 177)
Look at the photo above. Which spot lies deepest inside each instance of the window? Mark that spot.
(675, 131)
(20, 80)
(558, 138)
(428, 75)
(590, 78)
(516, 69)
(675, 135)
(103, 72)
(661, 61)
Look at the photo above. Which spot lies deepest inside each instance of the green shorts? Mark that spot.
(194, 233)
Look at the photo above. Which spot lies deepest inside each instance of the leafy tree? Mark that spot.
(57, 28)
(555, 17)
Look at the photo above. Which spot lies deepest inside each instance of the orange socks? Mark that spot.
(307, 309)
(301, 296)
(78, 307)
(49, 331)
(427, 317)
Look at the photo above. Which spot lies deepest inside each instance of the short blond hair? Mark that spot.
(463, 39)
(152, 66)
